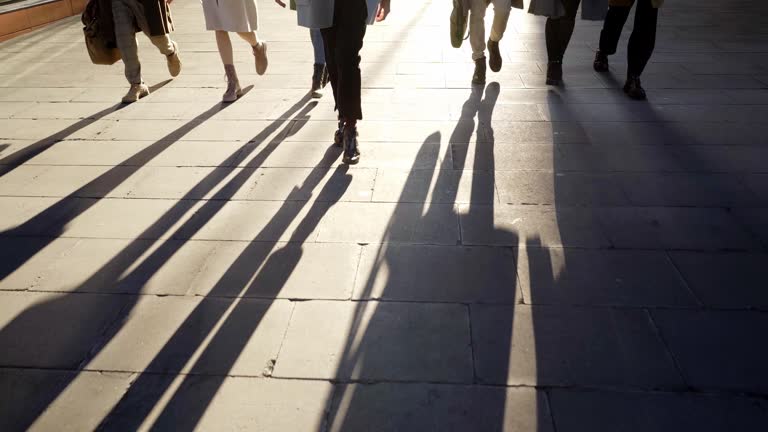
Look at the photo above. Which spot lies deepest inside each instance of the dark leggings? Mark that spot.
(558, 31)
(643, 38)
(343, 43)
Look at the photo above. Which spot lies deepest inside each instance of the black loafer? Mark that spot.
(601, 62)
(555, 73)
(633, 89)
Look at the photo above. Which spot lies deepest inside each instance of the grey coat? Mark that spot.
(593, 10)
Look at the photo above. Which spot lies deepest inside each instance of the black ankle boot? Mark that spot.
(555, 73)
(338, 136)
(633, 89)
(326, 76)
(317, 80)
(349, 140)
(601, 62)
(494, 61)
(479, 76)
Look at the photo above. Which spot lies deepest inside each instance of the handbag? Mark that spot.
(547, 8)
(459, 22)
(100, 50)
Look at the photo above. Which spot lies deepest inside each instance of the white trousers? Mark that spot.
(477, 8)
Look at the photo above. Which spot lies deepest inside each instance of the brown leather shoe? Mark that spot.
(136, 92)
(260, 52)
(174, 62)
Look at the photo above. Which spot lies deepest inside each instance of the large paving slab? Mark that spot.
(162, 334)
(45, 400)
(412, 407)
(371, 341)
(54, 330)
(717, 349)
(565, 346)
(433, 273)
(589, 411)
(557, 276)
(728, 280)
(218, 403)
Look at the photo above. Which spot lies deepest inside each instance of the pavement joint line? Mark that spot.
(667, 348)
(671, 390)
(397, 243)
(576, 306)
(685, 281)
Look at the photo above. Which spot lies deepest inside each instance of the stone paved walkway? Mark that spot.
(507, 258)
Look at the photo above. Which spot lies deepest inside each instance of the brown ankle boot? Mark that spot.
(233, 85)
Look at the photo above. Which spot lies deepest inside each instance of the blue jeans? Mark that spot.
(317, 45)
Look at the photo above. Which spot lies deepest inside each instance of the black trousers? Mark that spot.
(643, 38)
(558, 31)
(343, 43)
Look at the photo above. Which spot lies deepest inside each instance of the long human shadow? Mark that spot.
(52, 221)
(356, 365)
(567, 350)
(190, 399)
(110, 317)
(18, 158)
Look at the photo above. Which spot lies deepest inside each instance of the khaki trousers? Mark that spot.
(128, 15)
(477, 8)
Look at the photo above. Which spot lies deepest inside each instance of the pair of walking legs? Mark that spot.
(477, 11)
(558, 33)
(224, 44)
(127, 15)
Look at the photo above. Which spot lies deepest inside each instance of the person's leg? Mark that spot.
(351, 26)
(501, 11)
(329, 43)
(477, 10)
(612, 26)
(319, 75)
(164, 44)
(317, 45)
(224, 44)
(643, 38)
(609, 35)
(126, 41)
(558, 31)
(251, 37)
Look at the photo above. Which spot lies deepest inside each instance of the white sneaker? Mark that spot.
(136, 92)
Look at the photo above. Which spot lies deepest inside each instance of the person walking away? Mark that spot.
(501, 12)
(153, 18)
(343, 41)
(241, 17)
(641, 42)
(320, 72)
(561, 20)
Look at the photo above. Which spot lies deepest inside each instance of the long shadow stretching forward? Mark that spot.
(105, 316)
(365, 352)
(13, 161)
